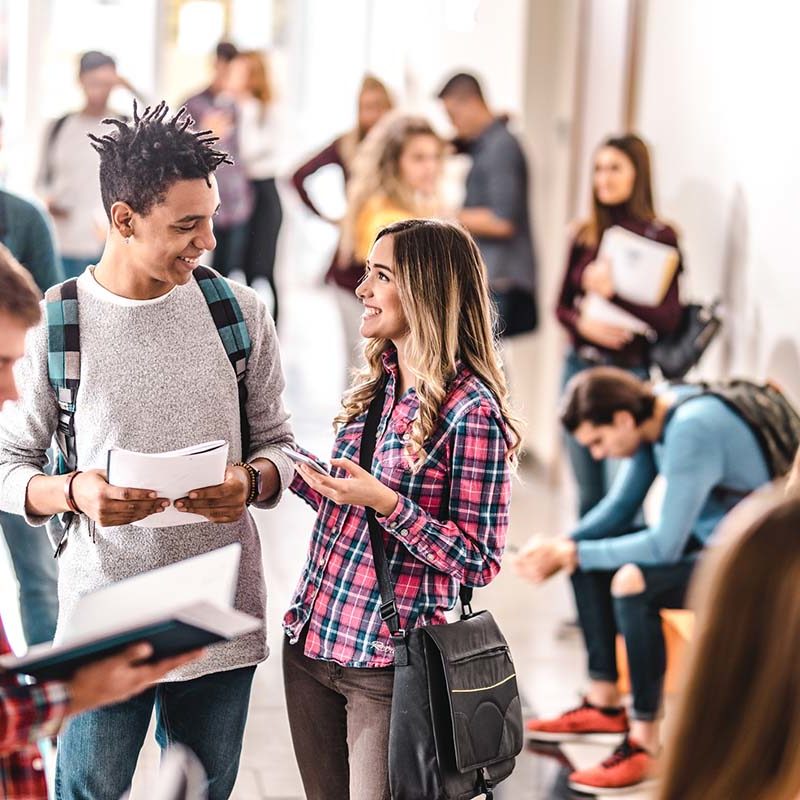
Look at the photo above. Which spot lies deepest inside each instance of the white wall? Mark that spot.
(717, 100)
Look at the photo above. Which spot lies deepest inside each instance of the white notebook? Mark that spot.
(642, 270)
(172, 474)
(595, 307)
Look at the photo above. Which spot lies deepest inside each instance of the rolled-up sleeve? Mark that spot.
(469, 545)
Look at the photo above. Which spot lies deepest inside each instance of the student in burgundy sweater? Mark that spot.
(621, 195)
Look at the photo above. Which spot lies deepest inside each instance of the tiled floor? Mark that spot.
(550, 665)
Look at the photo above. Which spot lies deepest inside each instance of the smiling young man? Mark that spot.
(709, 459)
(154, 376)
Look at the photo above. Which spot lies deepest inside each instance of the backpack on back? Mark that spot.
(768, 413)
(64, 365)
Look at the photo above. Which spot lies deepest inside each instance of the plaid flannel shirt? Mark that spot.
(27, 713)
(430, 550)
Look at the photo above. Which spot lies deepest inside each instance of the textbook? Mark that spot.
(176, 608)
(172, 474)
(642, 270)
(593, 306)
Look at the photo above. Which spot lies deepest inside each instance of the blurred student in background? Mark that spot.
(214, 109)
(737, 730)
(396, 175)
(67, 177)
(622, 194)
(496, 210)
(374, 101)
(259, 134)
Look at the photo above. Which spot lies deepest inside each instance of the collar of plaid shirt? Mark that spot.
(337, 598)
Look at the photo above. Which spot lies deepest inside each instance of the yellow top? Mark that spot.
(377, 213)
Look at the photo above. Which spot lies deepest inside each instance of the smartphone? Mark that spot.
(302, 458)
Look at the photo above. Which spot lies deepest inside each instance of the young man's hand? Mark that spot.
(542, 558)
(118, 678)
(222, 503)
(113, 505)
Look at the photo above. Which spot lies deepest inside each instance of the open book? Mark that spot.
(176, 608)
(172, 474)
(642, 270)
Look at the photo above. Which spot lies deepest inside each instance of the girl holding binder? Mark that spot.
(604, 328)
(439, 484)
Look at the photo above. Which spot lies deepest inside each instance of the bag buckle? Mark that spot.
(485, 784)
(466, 610)
(389, 610)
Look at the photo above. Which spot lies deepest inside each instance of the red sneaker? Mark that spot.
(629, 768)
(586, 723)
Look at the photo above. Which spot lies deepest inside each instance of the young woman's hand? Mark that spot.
(597, 278)
(358, 489)
(612, 337)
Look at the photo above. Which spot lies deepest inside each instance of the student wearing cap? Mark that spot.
(67, 177)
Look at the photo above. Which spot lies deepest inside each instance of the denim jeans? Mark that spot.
(593, 478)
(339, 719)
(98, 750)
(637, 618)
(36, 571)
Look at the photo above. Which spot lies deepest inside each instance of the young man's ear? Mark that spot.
(122, 219)
(624, 420)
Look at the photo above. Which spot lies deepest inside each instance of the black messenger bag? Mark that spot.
(456, 724)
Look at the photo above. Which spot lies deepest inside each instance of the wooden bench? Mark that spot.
(678, 625)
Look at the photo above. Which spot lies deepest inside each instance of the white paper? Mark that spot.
(209, 578)
(595, 307)
(641, 269)
(172, 474)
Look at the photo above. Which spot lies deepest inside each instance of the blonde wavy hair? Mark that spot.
(444, 292)
(376, 172)
(350, 141)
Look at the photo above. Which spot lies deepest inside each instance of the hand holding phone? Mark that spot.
(302, 458)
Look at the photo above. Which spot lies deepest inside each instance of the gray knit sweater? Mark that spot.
(154, 377)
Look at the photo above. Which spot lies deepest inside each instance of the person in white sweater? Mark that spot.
(154, 376)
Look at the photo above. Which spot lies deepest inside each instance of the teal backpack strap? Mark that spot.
(229, 320)
(64, 373)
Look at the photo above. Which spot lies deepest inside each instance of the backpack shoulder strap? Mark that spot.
(52, 135)
(229, 321)
(64, 365)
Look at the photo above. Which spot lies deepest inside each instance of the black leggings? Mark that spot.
(262, 238)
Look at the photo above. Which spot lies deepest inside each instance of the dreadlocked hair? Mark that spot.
(142, 159)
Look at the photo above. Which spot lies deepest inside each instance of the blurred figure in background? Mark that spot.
(214, 110)
(26, 233)
(259, 142)
(622, 194)
(737, 730)
(496, 210)
(67, 177)
(396, 175)
(374, 101)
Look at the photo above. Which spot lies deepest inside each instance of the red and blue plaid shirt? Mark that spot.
(27, 713)
(430, 550)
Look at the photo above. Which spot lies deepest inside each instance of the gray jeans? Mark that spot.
(339, 719)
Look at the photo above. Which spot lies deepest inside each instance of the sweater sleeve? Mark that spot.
(268, 419)
(330, 155)
(469, 545)
(615, 513)
(692, 467)
(27, 427)
(566, 313)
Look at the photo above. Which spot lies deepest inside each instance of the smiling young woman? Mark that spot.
(439, 484)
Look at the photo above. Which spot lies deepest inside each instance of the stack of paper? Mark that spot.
(176, 608)
(642, 270)
(595, 307)
(172, 474)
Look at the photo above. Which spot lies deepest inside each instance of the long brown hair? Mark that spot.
(444, 293)
(638, 206)
(259, 83)
(738, 728)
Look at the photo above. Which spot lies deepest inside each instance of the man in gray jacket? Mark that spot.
(154, 376)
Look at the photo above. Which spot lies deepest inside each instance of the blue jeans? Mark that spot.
(637, 617)
(97, 752)
(593, 477)
(36, 571)
(75, 266)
